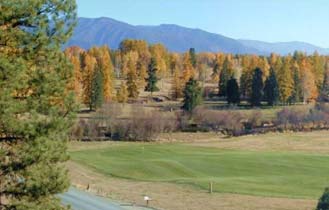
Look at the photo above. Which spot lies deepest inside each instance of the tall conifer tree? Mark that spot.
(257, 88)
(224, 76)
(193, 58)
(271, 89)
(192, 95)
(35, 107)
(233, 92)
(97, 93)
(152, 78)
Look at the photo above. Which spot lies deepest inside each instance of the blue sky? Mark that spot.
(265, 20)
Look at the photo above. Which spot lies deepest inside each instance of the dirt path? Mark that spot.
(172, 196)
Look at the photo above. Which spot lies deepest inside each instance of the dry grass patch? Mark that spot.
(312, 142)
(172, 197)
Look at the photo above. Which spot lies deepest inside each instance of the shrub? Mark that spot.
(254, 120)
(143, 125)
(291, 118)
(226, 122)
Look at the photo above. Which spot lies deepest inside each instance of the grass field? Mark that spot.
(263, 173)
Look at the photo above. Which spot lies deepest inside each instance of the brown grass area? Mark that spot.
(172, 197)
(312, 142)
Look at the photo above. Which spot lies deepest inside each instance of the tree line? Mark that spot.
(297, 78)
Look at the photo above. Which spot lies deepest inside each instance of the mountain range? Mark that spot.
(107, 31)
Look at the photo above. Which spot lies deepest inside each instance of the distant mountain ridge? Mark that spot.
(284, 48)
(107, 31)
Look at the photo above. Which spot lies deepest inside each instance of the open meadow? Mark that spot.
(290, 175)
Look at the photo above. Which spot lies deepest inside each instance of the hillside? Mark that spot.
(107, 31)
(284, 48)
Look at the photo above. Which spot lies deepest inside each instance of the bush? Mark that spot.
(323, 203)
(226, 122)
(254, 120)
(291, 118)
(87, 130)
(143, 125)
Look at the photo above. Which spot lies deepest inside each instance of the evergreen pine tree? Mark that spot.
(192, 95)
(193, 59)
(233, 92)
(324, 95)
(271, 89)
(257, 87)
(97, 93)
(224, 76)
(323, 203)
(152, 78)
(36, 108)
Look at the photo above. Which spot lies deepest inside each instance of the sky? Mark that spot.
(264, 20)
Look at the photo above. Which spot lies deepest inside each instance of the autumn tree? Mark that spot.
(285, 80)
(141, 74)
(140, 47)
(36, 108)
(317, 63)
(132, 81)
(177, 85)
(160, 55)
(192, 95)
(105, 65)
(308, 82)
(152, 78)
(233, 92)
(217, 66)
(257, 88)
(297, 93)
(75, 83)
(173, 62)
(122, 93)
(89, 65)
(188, 70)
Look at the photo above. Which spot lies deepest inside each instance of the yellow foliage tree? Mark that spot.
(104, 63)
(122, 93)
(188, 70)
(75, 83)
(309, 87)
(177, 85)
(285, 79)
(132, 80)
(89, 66)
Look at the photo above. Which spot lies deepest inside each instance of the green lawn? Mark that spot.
(281, 174)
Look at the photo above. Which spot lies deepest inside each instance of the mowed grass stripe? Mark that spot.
(279, 174)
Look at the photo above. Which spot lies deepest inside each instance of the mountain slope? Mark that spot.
(284, 48)
(107, 31)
